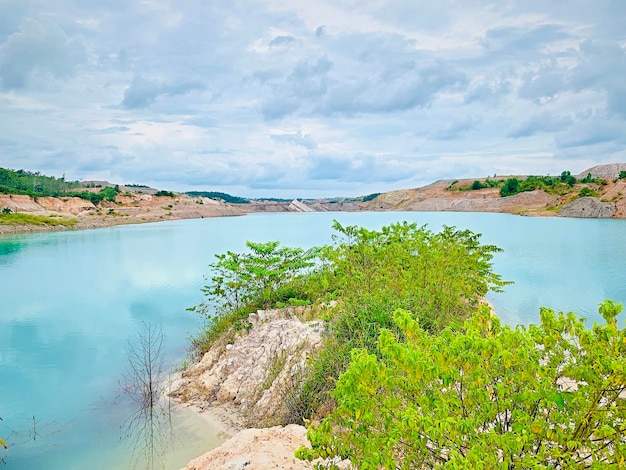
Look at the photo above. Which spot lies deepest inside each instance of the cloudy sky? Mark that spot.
(310, 98)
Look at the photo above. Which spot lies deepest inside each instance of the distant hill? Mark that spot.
(612, 171)
(600, 194)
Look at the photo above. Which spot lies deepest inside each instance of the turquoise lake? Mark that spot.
(71, 301)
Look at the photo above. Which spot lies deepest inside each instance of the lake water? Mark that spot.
(72, 300)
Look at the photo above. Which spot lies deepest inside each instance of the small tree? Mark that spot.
(149, 428)
(511, 187)
(570, 180)
(478, 185)
(240, 278)
(483, 396)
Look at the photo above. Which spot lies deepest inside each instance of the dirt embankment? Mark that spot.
(609, 202)
(132, 208)
(244, 381)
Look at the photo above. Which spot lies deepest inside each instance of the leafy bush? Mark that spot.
(164, 193)
(511, 187)
(483, 396)
(587, 192)
(442, 277)
(452, 185)
(244, 282)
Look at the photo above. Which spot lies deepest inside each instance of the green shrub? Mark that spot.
(441, 277)
(510, 187)
(483, 396)
(587, 192)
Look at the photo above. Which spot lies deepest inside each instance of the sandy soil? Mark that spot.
(138, 208)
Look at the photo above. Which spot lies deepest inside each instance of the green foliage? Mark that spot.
(511, 187)
(109, 193)
(33, 183)
(492, 183)
(587, 192)
(311, 394)
(219, 326)
(257, 275)
(221, 196)
(622, 174)
(6, 211)
(369, 197)
(568, 178)
(244, 282)
(27, 219)
(105, 194)
(164, 193)
(483, 396)
(475, 186)
(560, 185)
(441, 277)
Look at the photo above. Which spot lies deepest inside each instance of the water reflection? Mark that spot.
(149, 430)
(8, 249)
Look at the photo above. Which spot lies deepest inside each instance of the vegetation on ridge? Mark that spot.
(560, 185)
(440, 276)
(415, 371)
(36, 185)
(7, 218)
(219, 196)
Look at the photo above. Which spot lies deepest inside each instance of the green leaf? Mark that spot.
(558, 400)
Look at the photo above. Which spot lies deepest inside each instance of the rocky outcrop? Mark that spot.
(588, 207)
(249, 374)
(66, 205)
(45, 205)
(610, 171)
(299, 206)
(253, 370)
(20, 203)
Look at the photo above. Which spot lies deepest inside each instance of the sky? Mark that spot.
(303, 98)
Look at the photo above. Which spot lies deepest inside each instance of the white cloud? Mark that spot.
(294, 98)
